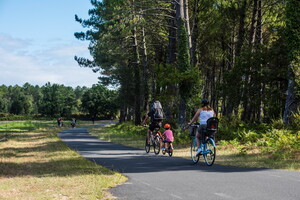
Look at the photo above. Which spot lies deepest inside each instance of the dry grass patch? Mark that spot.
(37, 165)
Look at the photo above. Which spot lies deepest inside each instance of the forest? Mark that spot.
(241, 55)
(54, 100)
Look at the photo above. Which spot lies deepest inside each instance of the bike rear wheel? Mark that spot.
(170, 152)
(210, 152)
(194, 149)
(147, 146)
(156, 145)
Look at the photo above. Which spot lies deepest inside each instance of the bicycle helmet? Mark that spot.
(204, 102)
(167, 126)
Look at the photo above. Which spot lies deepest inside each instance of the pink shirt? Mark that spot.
(169, 135)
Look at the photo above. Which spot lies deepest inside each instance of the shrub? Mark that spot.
(295, 124)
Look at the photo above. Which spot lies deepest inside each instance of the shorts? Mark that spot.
(165, 141)
(154, 125)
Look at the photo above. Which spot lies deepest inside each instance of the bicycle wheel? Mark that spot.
(210, 152)
(156, 145)
(147, 146)
(194, 148)
(170, 152)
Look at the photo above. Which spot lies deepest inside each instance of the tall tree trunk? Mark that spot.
(171, 58)
(290, 103)
(137, 75)
(241, 32)
(235, 102)
(187, 24)
(247, 105)
(145, 76)
(181, 9)
(253, 24)
(259, 84)
(293, 43)
(195, 33)
(137, 78)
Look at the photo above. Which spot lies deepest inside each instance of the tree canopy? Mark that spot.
(235, 53)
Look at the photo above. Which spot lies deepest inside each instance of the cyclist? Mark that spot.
(203, 114)
(168, 137)
(155, 122)
(59, 122)
(73, 122)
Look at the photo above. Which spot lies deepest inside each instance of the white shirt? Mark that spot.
(205, 115)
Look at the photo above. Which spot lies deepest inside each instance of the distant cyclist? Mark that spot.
(73, 122)
(202, 114)
(59, 122)
(156, 116)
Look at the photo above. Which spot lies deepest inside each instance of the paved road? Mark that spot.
(160, 177)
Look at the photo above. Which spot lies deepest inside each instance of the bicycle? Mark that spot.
(168, 150)
(155, 141)
(208, 145)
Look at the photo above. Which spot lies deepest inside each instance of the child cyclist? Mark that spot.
(168, 137)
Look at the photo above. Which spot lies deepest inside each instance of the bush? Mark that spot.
(249, 136)
(281, 143)
(295, 124)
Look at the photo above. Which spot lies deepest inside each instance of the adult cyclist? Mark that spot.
(202, 114)
(155, 122)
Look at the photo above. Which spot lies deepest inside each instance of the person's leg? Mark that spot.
(148, 136)
(198, 140)
(171, 145)
(162, 146)
(150, 129)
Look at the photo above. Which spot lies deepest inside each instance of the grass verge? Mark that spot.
(227, 154)
(35, 164)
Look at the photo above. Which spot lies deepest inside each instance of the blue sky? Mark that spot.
(37, 43)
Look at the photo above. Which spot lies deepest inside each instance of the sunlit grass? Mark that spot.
(37, 165)
(121, 134)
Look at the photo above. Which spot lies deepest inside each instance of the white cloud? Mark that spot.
(22, 61)
(12, 44)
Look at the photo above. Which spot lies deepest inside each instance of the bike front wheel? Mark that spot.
(156, 145)
(147, 146)
(210, 152)
(194, 149)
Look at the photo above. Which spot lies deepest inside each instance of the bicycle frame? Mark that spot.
(208, 149)
(155, 141)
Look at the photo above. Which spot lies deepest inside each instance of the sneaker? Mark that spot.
(163, 149)
(199, 152)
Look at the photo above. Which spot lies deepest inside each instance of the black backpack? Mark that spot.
(156, 108)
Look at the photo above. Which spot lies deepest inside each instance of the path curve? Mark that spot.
(162, 177)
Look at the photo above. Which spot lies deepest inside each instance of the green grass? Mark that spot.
(35, 164)
(231, 153)
(125, 134)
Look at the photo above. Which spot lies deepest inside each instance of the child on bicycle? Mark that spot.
(168, 137)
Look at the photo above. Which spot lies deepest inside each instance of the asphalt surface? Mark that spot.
(160, 177)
